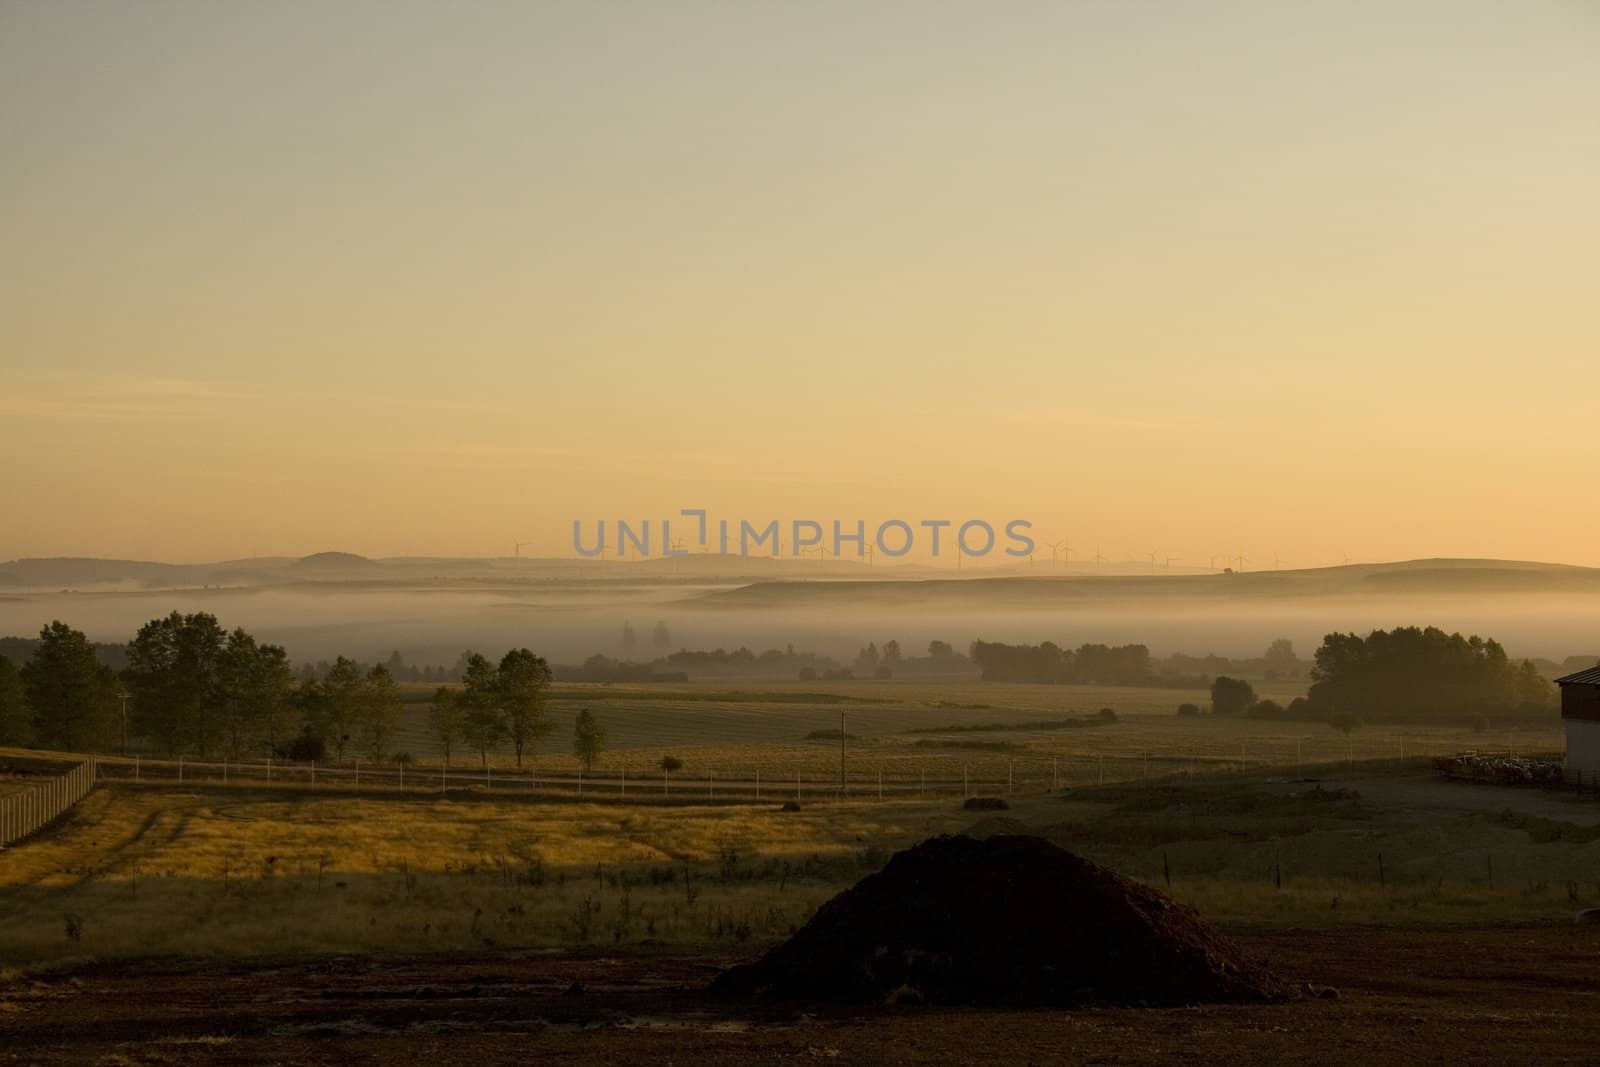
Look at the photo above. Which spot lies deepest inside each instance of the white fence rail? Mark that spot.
(42, 803)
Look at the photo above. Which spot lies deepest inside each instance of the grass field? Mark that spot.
(152, 871)
(734, 730)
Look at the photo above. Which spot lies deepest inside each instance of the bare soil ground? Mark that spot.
(1458, 995)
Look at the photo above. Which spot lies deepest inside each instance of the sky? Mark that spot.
(1300, 281)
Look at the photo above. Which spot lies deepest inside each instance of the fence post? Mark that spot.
(224, 770)
(313, 772)
(180, 770)
(623, 788)
(758, 785)
(269, 768)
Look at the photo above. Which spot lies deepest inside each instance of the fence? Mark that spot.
(39, 805)
(736, 780)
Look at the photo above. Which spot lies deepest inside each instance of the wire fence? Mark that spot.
(902, 778)
(43, 802)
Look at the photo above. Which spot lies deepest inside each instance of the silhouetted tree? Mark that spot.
(1231, 696)
(660, 637)
(14, 726)
(174, 681)
(445, 720)
(483, 722)
(377, 711)
(71, 695)
(522, 682)
(588, 739)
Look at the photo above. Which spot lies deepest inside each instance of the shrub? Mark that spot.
(1188, 709)
(1106, 715)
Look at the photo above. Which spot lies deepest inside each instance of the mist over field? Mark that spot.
(431, 612)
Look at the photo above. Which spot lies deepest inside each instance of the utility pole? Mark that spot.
(841, 754)
(123, 694)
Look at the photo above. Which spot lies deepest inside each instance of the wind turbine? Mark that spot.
(1098, 558)
(1242, 559)
(1152, 556)
(517, 554)
(1170, 559)
(1277, 564)
(1211, 562)
(1056, 548)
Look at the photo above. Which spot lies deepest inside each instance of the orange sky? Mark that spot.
(397, 279)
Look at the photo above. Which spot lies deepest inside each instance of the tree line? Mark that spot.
(192, 687)
(1409, 674)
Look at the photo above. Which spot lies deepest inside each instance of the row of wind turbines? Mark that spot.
(1061, 555)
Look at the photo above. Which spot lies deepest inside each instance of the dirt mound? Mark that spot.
(1007, 920)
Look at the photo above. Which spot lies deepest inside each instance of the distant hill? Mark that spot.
(334, 561)
(1432, 577)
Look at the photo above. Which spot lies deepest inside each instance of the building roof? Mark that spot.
(1588, 677)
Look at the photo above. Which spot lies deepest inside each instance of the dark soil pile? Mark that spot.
(1007, 920)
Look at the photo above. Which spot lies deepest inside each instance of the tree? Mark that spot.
(483, 723)
(941, 650)
(342, 696)
(445, 720)
(670, 764)
(1231, 696)
(14, 726)
(1344, 722)
(377, 711)
(891, 653)
(1281, 662)
(1421, 674)
(588, 739)
(174, 681)
(630, 639)
(660, 637)
(73, 698)
(252, 690)
(522, 681)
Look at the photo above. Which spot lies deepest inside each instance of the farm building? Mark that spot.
(1580, 714)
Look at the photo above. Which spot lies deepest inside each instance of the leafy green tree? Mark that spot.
(670, 764)
(483, 721)
(14, 726)
(72, 696)
(588, 739)
(377, 711)
(1231, 696)
(174, 682)
(522, 681)
(445, 720)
